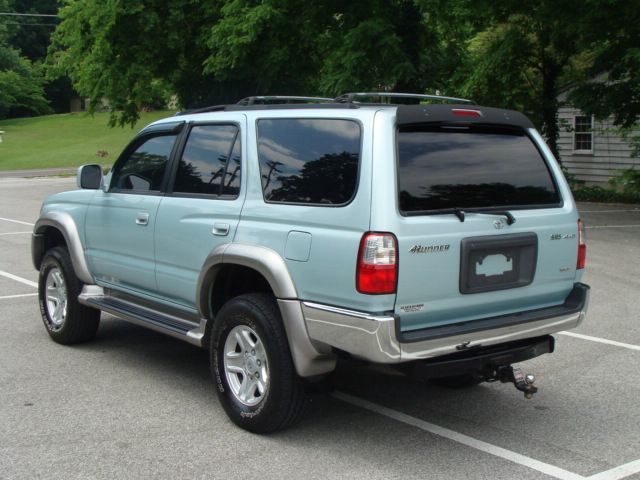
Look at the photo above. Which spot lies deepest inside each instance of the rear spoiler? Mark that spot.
(464, 114)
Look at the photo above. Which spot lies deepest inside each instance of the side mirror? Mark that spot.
(89, 177)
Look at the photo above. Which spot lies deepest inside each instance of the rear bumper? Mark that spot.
(377, 338)
(482, 362)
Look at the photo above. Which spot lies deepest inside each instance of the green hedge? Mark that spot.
(624, 188)
(599, 194)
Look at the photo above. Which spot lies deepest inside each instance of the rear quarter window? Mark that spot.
(309, 161)
(471, 167)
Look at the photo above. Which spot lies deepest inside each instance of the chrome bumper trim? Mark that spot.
(374, 338)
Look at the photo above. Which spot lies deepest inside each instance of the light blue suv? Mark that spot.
(281, 235)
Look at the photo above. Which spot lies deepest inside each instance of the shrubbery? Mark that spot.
(624, 188)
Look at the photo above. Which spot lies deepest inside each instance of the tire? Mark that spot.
(252, 367)
(66, 320)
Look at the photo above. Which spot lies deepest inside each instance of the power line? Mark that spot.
(27, 14)
(32, 24)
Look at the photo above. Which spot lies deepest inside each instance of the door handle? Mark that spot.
(221, 229)
(142, 219)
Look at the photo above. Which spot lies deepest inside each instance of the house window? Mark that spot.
(583, 134)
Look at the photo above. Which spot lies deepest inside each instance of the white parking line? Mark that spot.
(617, 473)
(612, 226)
(601, 340)
(19, 296)
(514, 457)
(17, 221)
(13, 233)
(18, 279)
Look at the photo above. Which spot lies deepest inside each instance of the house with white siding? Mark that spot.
(591, 149)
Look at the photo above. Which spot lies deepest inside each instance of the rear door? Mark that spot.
(201, 209)
(482, 226)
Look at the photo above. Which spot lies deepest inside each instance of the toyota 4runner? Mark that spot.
(439, 237)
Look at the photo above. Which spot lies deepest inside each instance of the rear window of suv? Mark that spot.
(445, 167)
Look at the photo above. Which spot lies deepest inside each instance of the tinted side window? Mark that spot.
(443, 168)
(205, 160)
(143, 170)
(231, 182)
(309, 160)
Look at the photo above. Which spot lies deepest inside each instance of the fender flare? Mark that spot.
(262, 259)
(309, 359)
(64, 223)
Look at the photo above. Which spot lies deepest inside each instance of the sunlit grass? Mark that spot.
(67, 140)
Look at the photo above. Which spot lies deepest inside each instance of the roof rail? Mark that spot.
(351, 97)
(213, 108)
(278, 99)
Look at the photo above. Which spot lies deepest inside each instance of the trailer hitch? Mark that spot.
(524, 383)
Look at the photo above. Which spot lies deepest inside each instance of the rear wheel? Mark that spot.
(251, 364)
(66, 320)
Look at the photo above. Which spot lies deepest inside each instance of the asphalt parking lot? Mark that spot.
(137, 404)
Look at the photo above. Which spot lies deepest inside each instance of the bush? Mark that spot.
(599, 194)
(625, 188)
(628, 181)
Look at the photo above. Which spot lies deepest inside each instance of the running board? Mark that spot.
(174, 326)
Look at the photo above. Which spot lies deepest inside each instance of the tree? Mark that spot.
(31, 37)
(323, 48)
(520, 58)
(21, 83)
(127, 51)
(220, 51)
(609, 81)
(515, 54)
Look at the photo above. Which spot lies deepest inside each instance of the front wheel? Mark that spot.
(251, 364)
(67, 321)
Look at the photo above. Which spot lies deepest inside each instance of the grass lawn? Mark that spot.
(67, 140)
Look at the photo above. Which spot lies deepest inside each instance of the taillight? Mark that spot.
(377, 269)
(582, 247)
(466, 112)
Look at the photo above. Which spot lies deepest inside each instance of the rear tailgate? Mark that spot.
(484, 227)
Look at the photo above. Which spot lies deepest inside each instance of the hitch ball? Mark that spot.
(522, 382)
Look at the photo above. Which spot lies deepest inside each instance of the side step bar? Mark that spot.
(189, 331)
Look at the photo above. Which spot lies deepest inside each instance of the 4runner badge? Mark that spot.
(429, 248)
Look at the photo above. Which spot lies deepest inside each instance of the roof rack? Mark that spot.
(213, 108)
(351, 97)
(348, 100)
(280, 99)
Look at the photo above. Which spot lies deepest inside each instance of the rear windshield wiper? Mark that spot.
(503, 213)
(458, 212)
(462, 214)
(510, 218)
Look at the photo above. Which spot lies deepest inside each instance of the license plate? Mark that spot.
(497, 262)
